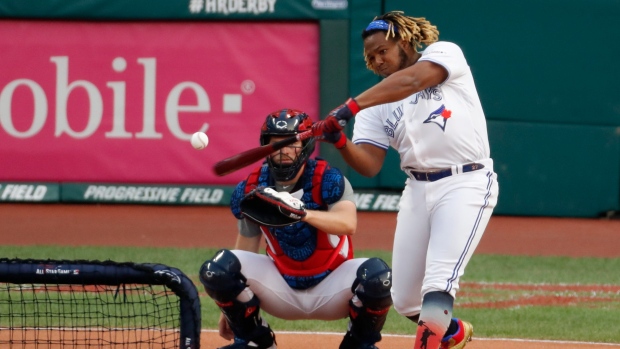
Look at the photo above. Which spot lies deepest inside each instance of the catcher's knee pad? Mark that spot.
(373, 283)
(221, 276)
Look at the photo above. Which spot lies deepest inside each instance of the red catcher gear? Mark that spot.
(326, 256)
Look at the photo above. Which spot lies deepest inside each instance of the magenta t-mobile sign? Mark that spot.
(118, 102)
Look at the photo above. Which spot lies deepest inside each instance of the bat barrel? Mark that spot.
(249, 157)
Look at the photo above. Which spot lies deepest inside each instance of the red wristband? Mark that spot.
(352, 105)
(342, 142)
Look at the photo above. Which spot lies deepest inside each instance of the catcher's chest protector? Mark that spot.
(300, 250)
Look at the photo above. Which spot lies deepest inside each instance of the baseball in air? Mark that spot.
(199, 140)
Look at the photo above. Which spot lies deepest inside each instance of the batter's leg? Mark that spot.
(410, 248)
(459, 218)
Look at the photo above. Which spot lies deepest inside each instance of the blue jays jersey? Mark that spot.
(438, 127)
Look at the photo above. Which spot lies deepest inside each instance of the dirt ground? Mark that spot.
(212, 226)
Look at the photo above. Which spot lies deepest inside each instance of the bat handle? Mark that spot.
(304, 135)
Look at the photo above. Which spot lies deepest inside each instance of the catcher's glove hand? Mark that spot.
(266, 206)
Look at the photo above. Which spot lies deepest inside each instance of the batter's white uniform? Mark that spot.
(439, 223)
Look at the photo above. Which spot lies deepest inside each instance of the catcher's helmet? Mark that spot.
(287, 122)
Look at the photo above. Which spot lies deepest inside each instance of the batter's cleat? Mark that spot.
(264, 343)
(350, 342)
(460, 338)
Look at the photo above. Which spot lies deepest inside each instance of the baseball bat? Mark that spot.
(250, 156)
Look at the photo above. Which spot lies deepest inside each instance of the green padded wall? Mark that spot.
(539, 61)
(360, 13)
(334, 77)
(547, 75)
(556, 170)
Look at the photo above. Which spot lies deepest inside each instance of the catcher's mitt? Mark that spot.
(266, 206)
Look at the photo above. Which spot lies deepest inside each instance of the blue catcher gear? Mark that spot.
(372, 287)
(222, 279)
(287, 122)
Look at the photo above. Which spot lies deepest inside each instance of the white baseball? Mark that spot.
(200, 140)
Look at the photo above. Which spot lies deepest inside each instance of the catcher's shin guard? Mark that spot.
(367, 313)
(365, 327)
(250, 329)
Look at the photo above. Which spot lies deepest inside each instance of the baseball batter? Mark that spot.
(427, 108)
(305, 210)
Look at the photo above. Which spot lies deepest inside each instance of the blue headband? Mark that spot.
(379, 24)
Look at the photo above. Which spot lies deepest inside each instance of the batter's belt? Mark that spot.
(435, 175)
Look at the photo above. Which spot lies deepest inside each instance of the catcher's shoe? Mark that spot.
(261, 343)
(460, 338)
(350, 342)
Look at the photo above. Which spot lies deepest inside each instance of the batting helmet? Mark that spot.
(287, 122)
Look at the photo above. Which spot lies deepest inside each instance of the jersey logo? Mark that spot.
(397, 115)
(439, 117)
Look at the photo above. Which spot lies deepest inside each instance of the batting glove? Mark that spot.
(345, 112)
(338, 139)
(330, 129)
(327, 132)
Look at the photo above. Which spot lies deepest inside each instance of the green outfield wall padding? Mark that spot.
(361, 13)
(119, 193)
(536, 72)
(29, 192)
(158, 194)
(551, 61)
(546, 73)
(334, 78)
(556, 170)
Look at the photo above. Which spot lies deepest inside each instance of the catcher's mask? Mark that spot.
(287, 122)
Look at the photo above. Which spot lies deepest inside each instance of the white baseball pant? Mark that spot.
(439, 226)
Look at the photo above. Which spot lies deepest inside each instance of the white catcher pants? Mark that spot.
(439, 225)
(329, 300)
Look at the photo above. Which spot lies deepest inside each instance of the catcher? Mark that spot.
(305, 210)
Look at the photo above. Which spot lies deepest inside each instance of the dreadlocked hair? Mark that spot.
(415, 30)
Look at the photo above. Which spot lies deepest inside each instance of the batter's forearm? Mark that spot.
(396, 87)
(403, 84)
(365, 161)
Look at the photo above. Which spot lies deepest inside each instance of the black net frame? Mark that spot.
(96, 304)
